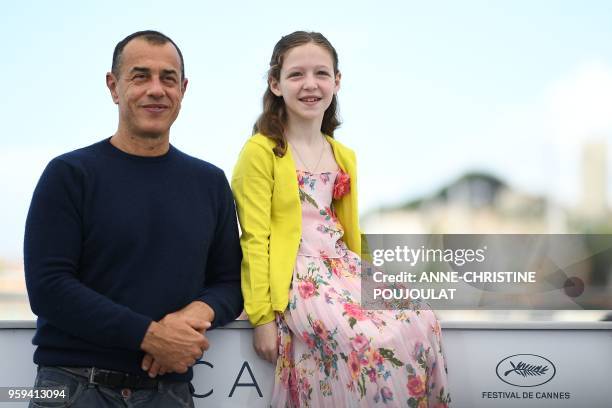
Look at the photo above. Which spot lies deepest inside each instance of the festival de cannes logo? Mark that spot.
(525, 370)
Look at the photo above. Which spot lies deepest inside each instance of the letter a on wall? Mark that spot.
(251, 384)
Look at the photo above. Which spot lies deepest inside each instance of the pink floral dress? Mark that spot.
(333, 353)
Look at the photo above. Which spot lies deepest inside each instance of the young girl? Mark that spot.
(296, 193)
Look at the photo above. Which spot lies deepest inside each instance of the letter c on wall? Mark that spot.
(195, 394)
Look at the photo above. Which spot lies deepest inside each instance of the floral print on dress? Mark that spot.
(370, 364)
(332, 351)
(342, 185)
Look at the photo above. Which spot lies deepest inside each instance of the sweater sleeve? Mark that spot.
(252, 184)
(52, 250)
(222, 285)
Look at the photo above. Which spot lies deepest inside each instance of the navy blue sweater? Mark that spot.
(114, 241)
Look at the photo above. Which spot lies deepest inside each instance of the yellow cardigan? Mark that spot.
(267, 199)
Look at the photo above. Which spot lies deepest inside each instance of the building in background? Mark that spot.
(14, 304)
(594, 204)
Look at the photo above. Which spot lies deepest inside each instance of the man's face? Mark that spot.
(149, 89)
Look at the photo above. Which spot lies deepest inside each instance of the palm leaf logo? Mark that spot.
(527, 369)
(532, 370)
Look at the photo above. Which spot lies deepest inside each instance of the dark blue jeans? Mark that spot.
(81, 394)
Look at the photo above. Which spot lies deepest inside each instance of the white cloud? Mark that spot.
(580, 104)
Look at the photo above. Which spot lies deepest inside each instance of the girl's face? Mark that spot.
(307, 82)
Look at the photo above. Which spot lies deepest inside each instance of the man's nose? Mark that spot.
(156, 88)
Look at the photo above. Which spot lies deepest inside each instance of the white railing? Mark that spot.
(578, 357)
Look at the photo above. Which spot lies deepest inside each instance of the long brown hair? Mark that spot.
(273, 119)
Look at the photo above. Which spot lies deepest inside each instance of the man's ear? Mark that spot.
(111, 83)
(184, 87)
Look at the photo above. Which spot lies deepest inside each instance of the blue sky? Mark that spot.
(430, 90)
